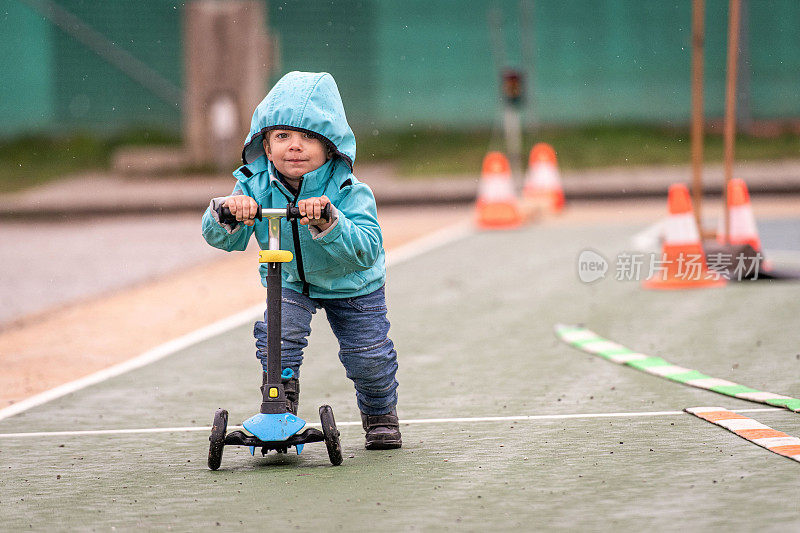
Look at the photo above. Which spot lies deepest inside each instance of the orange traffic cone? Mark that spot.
(543, 180)
(683, 263)
(741, 219)
(497, 207)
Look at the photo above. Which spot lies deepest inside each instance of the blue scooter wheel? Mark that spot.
(331, 434)
(217, 439)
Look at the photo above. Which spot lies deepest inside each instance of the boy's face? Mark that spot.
(294, 153)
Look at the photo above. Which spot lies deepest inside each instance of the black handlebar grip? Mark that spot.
(226, 217)
(293, 212)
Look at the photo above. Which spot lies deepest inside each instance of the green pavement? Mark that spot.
(473, 324)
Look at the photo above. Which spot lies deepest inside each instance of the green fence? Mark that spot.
(26, 69)
(420, 62)
(77, 65)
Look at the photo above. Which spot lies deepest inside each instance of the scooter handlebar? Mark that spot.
(226, 217)
(292, 213)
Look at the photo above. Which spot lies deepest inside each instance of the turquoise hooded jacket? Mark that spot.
(348, 259)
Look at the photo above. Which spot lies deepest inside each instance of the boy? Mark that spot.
(300, 150)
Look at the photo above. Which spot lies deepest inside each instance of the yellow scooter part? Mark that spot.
(275, 256)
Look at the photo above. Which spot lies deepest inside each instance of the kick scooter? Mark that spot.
(274, 428)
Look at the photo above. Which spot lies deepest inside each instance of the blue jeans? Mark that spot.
(365, 350)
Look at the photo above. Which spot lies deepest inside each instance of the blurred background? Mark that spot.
(606, 82)
(140, 108)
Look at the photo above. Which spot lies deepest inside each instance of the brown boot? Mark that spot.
(383, 431)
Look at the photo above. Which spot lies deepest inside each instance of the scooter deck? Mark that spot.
(239, 438)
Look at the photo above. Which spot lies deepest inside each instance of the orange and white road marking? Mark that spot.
(749, 429)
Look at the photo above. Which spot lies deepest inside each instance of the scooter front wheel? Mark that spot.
(331, 434)
(217, 439)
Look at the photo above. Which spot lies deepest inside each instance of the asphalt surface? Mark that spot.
(472, 322)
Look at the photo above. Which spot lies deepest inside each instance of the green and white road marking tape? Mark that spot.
(591, 342)
(751, 430)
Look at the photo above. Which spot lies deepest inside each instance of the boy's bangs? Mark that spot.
(255, 149)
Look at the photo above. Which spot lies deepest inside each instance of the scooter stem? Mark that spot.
(274, 399)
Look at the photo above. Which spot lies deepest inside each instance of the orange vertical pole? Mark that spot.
(730, 104)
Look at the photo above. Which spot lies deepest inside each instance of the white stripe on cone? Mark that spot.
(496, 188)
(681, 229)
(543, 176)
(743, 225)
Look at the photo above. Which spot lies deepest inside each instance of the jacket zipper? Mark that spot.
(296, 238)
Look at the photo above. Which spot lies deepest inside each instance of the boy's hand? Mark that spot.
(243, 208)
(311, 209)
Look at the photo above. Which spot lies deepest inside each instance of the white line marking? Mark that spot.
(772, 442)
(707, 383)
(667, 370)
(601, 345)
(650, 237)
(623, 358)
(761, 396)
(705, 409)
(403, 253)
(429, 242)
(738, 424)
(520, 418)
(576, 336)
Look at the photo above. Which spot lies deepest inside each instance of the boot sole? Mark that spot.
(384, 445)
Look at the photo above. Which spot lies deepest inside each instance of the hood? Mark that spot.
(306, 101)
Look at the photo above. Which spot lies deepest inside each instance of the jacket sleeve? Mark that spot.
(356, 239)
(223, 236)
